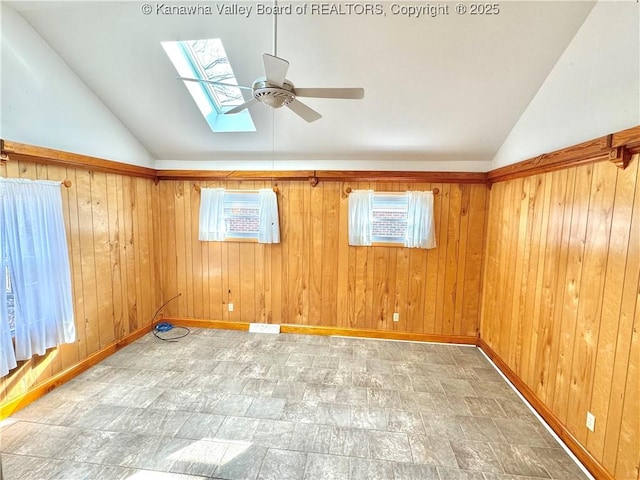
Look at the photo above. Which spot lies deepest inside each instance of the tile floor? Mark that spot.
(234, 405)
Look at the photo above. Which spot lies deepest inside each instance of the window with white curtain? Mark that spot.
(239, 215)
(391, 218)
(36, 308)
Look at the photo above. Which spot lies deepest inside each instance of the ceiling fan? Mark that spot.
(275, 91)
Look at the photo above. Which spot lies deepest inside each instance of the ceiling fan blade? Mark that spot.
(309, 114)
(348, 93)
(200, 80)
(275, 69)
(239, 108)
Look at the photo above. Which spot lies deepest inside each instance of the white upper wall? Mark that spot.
(45, 103)
(593, 90)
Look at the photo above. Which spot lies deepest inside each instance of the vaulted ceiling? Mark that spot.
(449, 87)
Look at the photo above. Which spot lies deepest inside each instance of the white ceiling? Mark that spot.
(448, 88)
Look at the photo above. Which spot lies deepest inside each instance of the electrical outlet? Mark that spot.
(396, 317)
(230, 305)
(591, 421)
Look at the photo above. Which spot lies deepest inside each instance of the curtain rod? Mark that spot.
(435, 191)
(66, 182)
(198, 188)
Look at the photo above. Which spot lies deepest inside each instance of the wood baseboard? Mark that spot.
(336, 331)
(8, 408)
(197, 323)
(596, 469)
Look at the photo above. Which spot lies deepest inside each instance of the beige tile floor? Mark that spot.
(235, 405)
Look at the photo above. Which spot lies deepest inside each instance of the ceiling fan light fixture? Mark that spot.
(273, 95)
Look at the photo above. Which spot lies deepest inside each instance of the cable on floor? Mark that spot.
(164, 327)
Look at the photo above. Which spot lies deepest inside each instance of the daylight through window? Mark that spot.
(206, 59)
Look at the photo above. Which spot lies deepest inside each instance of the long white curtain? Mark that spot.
(268, 224)
(212, 226)
(34, 247)
(420, 222)
(360, 217)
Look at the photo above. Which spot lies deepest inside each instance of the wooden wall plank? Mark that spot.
(621, 440)
(523, 266)
(169, 248)
(535, 281)
(441, 214)
(475, 254)
(330, 247)
(87, 255)
(115, 270)
(571, 291)
(345, 289)
(133, 278)
(100, 229)
(605, 405)
(594, 268)
(316, 239)
(463, 230)
(197, 270)
(561, 272)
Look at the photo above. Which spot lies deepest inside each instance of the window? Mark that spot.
(242, 214)
(238, 214)
(207, 60)
(389, 217)
(403, 219)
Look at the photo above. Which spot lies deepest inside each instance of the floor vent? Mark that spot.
(263, 328)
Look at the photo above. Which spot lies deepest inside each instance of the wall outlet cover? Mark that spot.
(591, 421)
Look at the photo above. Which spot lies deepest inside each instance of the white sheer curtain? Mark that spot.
(360, 217)
(420, 222)
(212, 227)
(34, 247)
(268, 224)
(7, 354)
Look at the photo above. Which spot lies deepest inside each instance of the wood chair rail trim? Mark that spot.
(617, 148)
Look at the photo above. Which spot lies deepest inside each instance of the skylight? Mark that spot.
(207, 60)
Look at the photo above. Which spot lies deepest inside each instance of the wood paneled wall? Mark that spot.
(314, 277)
(111, 223)
(561, 302)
